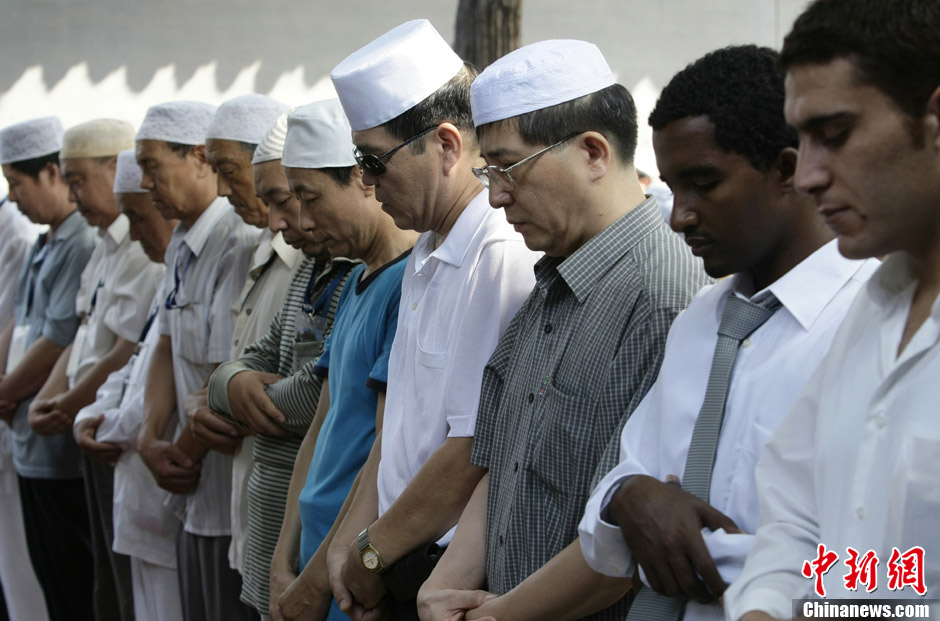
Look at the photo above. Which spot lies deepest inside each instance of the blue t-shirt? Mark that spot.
(355, 361)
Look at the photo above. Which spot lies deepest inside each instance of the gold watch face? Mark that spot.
(370, 559)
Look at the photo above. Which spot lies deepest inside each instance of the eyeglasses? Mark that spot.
(501, 176)
(375, 164)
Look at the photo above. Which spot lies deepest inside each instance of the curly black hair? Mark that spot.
(740, 90)
(895, 45)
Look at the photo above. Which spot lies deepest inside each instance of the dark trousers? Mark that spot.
(402, 611)
(114, 595)
(3, 607)
(59, 543)
(209, 587)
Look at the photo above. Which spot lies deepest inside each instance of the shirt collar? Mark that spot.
(809, 287)
(118, 229)
(588, 264)
(198, 234)
(457, 243)
(68, 227)
(285, 252)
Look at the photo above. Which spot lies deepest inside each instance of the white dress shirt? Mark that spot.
(211, 258)
(117, 287)
(269, 276)
(17, 236)
(857, 460)
(143, 526)
(456, 301)
(772, 367)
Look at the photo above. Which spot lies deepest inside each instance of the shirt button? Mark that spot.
(414, 306)
(746, 343)
(531, 397)
(860, 512)
(548, 328)
(247, 311)
(881, 422)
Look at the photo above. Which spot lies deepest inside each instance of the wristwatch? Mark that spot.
(371, 559)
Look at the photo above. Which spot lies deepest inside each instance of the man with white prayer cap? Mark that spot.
(112, 304)
(559, 135)
(207, 263)
(239, 125)
(44, 324)
(144, 528)
(273, 374)
(407, 97)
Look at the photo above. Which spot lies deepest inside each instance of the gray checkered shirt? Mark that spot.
(573, 364)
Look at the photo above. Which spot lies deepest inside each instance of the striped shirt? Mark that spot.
(571, 367)
(207, 264)
(296, 396)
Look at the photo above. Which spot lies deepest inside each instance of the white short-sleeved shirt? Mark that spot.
(856, 461)
(143, 526)
(456, 302)
(117, 287)
(211, 261)
(771, 368)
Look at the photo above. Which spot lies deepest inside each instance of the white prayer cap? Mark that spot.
(393, 73)
(318, 136)
(272, 146)
(183, 122)
(538, 76)
(30, 139)
(127, 175)
(98, 138)
(245, 119)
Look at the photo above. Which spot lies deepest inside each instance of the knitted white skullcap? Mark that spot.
(183, 122)
(318, 136)
(538, 76)
(393, 73)
(98, 138)
(127, 176)
(30, 139)
(272, 145)
(246, 118)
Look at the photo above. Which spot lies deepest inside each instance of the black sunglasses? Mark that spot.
(375, 164)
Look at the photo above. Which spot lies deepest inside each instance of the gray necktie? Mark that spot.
(739, 319)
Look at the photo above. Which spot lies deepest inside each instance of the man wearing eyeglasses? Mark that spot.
(559, 135)
(468, 274)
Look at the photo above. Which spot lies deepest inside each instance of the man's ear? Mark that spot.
(198, 153)
(367, 190)
(452, 146)
(785, 167)
(598, 152)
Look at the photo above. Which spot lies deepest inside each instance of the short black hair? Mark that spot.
(609, 111)
(894, 44)
(181, 150)
(248, 147)
(34, 166)
(740, 89)
(341, 175)
(448, 104)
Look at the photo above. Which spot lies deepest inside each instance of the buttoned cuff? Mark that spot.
(601, 542)
(218, 386)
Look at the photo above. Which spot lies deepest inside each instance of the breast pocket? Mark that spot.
(190, 332)
(566, 452)
(429, 377)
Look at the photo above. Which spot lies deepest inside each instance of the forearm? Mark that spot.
(84, 390)
(32, 371)
(463, 565)
(57, 382)
(159, 393)
(431, 504)
(363, 509)
(564, 588)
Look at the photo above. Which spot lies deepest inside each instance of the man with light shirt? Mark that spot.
(112, 303)
(207, 263)
(736, 205)
(52, 493)
(466, 278)
(144, 530)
